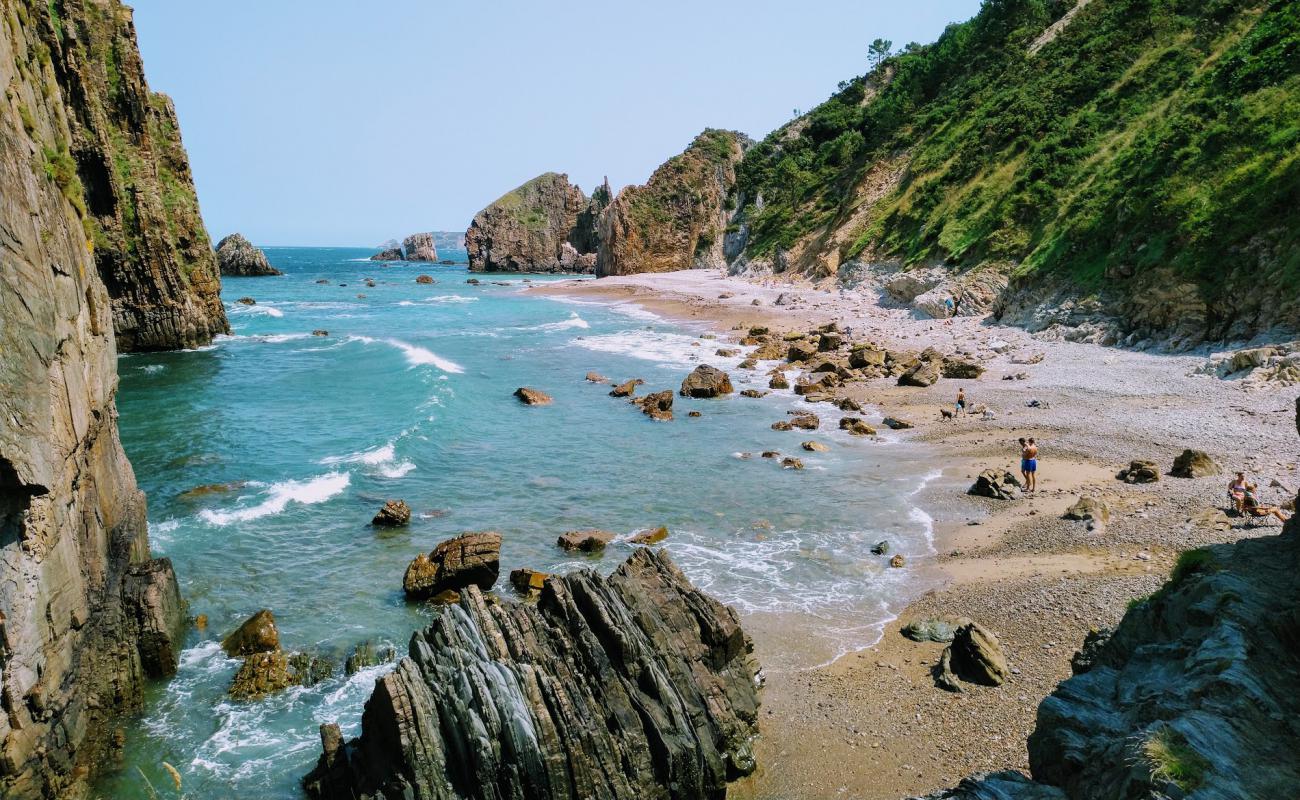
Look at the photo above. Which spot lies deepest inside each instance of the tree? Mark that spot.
(878, 51)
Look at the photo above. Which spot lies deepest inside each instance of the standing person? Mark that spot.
(956, 305)
(1029, 463)
(948, 307)
(961, 400)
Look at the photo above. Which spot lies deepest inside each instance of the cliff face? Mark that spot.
(237, 256)
(679, 218)
(85, 613)
(545, 225)
(1130, 175)
(124, 148)
(420, 247)
(632, 686)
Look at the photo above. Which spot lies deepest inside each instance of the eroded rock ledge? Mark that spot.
(632, 686)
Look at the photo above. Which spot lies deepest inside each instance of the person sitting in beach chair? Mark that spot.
(1253, 508)
(1238, 488)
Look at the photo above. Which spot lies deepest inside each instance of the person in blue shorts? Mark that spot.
(1029, 463)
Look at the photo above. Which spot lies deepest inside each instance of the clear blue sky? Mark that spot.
(343, 123)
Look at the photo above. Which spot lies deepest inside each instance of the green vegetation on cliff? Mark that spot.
(1147, 134)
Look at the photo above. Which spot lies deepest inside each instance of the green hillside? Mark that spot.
(1149, 134)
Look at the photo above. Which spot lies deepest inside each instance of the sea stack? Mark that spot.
(679, 218)
(420, 247)
(545, 225)
(236, 256)
(88, 613)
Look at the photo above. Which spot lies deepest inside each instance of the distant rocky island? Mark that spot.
(418, 246)
(238, 257)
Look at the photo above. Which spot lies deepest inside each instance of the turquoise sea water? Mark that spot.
(410, 396)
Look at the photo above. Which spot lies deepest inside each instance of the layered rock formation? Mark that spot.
(1191, 696)
(237, 256)
(118, 157)
(85, 613)
(632, 686)
(420, 247)
(679, 218)
(545, 225)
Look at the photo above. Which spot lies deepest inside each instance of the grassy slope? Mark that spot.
(1149, 133)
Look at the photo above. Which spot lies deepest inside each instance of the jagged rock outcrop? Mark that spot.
(632, 686)
(237, 256)
(545, 225)
(117, 154)
(420, 247)
(390, 250)
(679, 218)
(85, 612)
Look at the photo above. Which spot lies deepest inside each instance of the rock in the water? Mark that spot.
(596, 377)
(753, 393)
(236, 256)
(779, 381)
(1140, 472)
(790, 462)
(996, 483)
(258, 634)
(420, 247)
(427, 280)
(587, 540)
(976, 656)
(532, 397)
(649, 535)
(151, 595)
(262, 674)
(706, 381)
(624, 688)
(694, 414)
(528, 580)
(368, 654)
(923, 374)
(393, 253)
(856, 426)
(880, 548)
(626, 389)
(897, 561)
(657, 405)
(897, 423)
(471, 559)
(814, 447)
(394, 514)
(320, 332)
(246, 301)
(1195, 464)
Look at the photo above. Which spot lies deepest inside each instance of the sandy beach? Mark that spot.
(873, 724)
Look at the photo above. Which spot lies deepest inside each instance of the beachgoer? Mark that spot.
(1238, 488)
(1253, 507)
(956, 305)
(1029, 463)
(961, 400)
(948, 310)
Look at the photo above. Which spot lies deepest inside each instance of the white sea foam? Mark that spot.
(278, 497)
(668, 349)
(383, 459)
(574, 321)
(415, 356)
(154, 368)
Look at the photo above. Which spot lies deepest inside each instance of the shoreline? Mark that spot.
(871, 723)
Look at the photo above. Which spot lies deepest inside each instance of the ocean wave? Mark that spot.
(262, 308)
(574, 321)
(669, 349)
(415, 356)
(383, 459)
(153, 368)
(280, 495)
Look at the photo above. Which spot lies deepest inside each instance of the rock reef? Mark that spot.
(545, 225)
(237, 256)
(85, 612)
(632, 686)
(114, 147)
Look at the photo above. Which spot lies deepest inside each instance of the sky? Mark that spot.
(341, 123)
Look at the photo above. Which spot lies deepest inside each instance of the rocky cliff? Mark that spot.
(632, 686)
(85, 612)
(123, 163)
(420, 247)
(237, 256)
(1192, 695)
(1127, 172)
(545, 225)
(679, 218)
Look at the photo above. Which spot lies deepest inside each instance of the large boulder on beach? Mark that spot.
(471, 559)
(706, 381)
(856, 426)
(975, 656)
(1140, 471)
(636, 685)
(237, 257)
(1195, 464)
(801, 351)
(394, 514)
(996, 483)
(1089, 508)
(924, 373)
(257, 634)
(961, 368)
